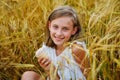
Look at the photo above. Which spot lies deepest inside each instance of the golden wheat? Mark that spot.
(22, 25)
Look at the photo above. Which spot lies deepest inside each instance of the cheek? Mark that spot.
(50, 29)
(68, 35)
(52, 32)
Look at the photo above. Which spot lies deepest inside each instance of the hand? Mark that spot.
(44, 62)
(47, 65)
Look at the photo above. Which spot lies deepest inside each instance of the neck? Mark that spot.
(59, 49)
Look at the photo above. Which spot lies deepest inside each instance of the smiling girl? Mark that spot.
(68, 61)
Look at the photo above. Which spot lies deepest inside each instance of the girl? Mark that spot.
(61, 61)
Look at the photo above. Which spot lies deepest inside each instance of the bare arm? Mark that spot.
(81, 58)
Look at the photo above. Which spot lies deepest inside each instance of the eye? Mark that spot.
(65, 29)
(55, 26)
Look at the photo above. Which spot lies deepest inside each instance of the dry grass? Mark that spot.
(22, 25)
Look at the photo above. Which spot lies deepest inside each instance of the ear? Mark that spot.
(74, 30)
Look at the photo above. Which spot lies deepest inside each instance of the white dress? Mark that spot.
(68, 69)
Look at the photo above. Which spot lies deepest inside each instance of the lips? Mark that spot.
(58, 39)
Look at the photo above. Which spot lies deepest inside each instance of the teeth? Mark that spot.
(58, 38)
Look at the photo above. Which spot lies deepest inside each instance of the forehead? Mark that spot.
(63, 21)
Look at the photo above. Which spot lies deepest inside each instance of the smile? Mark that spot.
(58, 39)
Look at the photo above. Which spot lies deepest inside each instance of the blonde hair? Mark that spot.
(62, 11)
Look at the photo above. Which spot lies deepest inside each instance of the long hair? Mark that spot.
(63, 11)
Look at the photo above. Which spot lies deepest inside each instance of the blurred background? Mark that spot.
(22, 27)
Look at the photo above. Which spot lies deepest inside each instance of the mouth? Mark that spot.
(58, 39)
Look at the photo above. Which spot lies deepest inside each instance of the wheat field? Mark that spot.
(22, 27)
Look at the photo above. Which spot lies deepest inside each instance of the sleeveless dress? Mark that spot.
(68, 69)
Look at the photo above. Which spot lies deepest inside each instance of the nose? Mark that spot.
(59, 32)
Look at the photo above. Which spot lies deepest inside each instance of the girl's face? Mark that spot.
(61, 29)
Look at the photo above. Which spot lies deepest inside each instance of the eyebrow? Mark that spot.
(63, 25)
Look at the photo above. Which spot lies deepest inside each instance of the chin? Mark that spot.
(58, 43)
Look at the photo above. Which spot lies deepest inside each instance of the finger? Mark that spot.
(44, 61)
(40, 60)
(47, 62)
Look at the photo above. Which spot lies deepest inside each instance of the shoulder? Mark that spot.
(78, 45)
(79, 52)
(78, 48)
